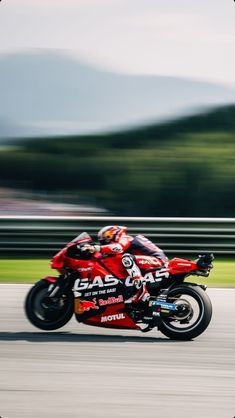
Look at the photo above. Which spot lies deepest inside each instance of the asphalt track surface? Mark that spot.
(88, 372)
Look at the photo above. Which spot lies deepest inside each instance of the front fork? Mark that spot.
(57, 285)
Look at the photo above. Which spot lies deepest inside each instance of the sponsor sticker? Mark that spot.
(116, 248)
(111, 300)
(145, 261)
(86, 305)
(115, 317)
(83, 284)
(85, 269)
(127, 261)
(165, 305)
(103, 285)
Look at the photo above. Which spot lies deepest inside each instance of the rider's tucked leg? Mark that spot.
(141, 294)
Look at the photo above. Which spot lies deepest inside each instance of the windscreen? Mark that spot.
(82, 237)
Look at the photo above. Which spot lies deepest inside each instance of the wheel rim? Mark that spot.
(47, 309)
(190, 314)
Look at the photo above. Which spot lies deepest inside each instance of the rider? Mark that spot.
(114, 240)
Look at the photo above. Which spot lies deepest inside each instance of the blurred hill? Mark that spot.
(48, 93)
(185, 167)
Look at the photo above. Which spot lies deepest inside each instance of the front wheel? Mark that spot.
(48, 313)
(193, 315)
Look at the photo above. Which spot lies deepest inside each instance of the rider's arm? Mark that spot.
(117, 247)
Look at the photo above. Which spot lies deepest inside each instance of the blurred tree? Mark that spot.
(181, 168)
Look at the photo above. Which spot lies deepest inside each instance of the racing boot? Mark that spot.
(142, 294)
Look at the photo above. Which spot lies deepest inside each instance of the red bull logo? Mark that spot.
(86, 305)
(111, 300)
(81, 306)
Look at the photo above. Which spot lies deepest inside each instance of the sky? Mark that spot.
(186, 38)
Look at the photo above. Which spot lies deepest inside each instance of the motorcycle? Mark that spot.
(95, 289)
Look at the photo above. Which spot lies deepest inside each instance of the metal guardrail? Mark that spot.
(43, 236)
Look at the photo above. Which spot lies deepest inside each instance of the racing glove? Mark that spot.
(91, 248)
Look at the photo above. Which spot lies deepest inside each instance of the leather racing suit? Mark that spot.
(130, 246)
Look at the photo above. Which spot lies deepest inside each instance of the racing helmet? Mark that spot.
(111, 233)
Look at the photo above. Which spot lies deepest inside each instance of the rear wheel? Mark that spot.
(193, 315)
(48, 313)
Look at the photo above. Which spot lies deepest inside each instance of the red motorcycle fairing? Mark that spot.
(113, 265)
(96, 289)
(112, 317)
(57, 261)
(50, 279)
(101, 292)
(144, 262)
(147, 262)
(173, 267)
(180, 265)
(100, 287)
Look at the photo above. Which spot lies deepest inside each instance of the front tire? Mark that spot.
(48, 314)
(182, 329)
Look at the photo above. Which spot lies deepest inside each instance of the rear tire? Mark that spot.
(169, 327)
(44, 315)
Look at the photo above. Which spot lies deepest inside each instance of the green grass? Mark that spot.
(30, 271)
(24, 271)
(222, 275)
